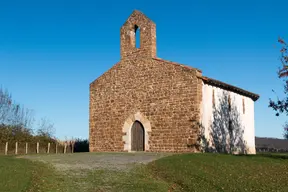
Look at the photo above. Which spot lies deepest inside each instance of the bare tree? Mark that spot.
(5, 106)
(12, 113)
(16, 122)
(22, 117)
(281, 105)
(45, 128)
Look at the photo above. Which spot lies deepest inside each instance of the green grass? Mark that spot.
(183, 172)
(138, 179)
(14, 174)
(17, 175)
(211, 172)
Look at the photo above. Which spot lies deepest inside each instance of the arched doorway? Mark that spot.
(137, 137)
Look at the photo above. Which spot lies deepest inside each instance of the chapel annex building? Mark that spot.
(144, 103)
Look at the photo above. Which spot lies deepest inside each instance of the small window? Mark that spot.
(213, 98)
(229, 103)
(243, 104)
(230, 127)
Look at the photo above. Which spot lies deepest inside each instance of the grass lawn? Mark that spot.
(17, 175)
(183, 172)
(212, 172)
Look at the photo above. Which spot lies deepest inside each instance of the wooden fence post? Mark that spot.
(65, 146)
(6, 148)
(16, 148)
(56, 148)
(48, 148)
(26, 148)
(37, 150)
(72, 150)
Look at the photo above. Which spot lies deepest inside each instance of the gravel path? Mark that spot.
(88, 161)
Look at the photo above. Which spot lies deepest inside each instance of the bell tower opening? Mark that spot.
(137, 36)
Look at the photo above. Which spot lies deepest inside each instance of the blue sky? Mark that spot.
(51, 50)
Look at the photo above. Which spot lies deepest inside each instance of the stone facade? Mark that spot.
(165, 97)
(147, 28)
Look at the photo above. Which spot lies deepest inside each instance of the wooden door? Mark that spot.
(137, 137)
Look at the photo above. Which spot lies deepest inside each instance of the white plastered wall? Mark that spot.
(246, 120)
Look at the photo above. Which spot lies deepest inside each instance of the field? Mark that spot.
(143, 172)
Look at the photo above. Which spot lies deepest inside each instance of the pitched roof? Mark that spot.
(136, 16)
(207, 80)
(229, 87)
(215, 82)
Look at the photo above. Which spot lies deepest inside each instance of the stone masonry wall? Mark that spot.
(165, 97)
(147, 29)
(167, 94)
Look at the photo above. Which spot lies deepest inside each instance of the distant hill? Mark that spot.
(265, 143)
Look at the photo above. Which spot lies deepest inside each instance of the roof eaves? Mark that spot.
(229, 87)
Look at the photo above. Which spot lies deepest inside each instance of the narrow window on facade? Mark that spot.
(230, 130)
(243, 104)
(230, 127)
(229, 103)
(213, 98)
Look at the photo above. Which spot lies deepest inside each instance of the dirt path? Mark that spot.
(102, 171)
(89, 161)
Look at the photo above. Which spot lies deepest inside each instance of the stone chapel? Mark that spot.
(144, 103)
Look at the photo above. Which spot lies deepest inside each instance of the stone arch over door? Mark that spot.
(127, 130)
